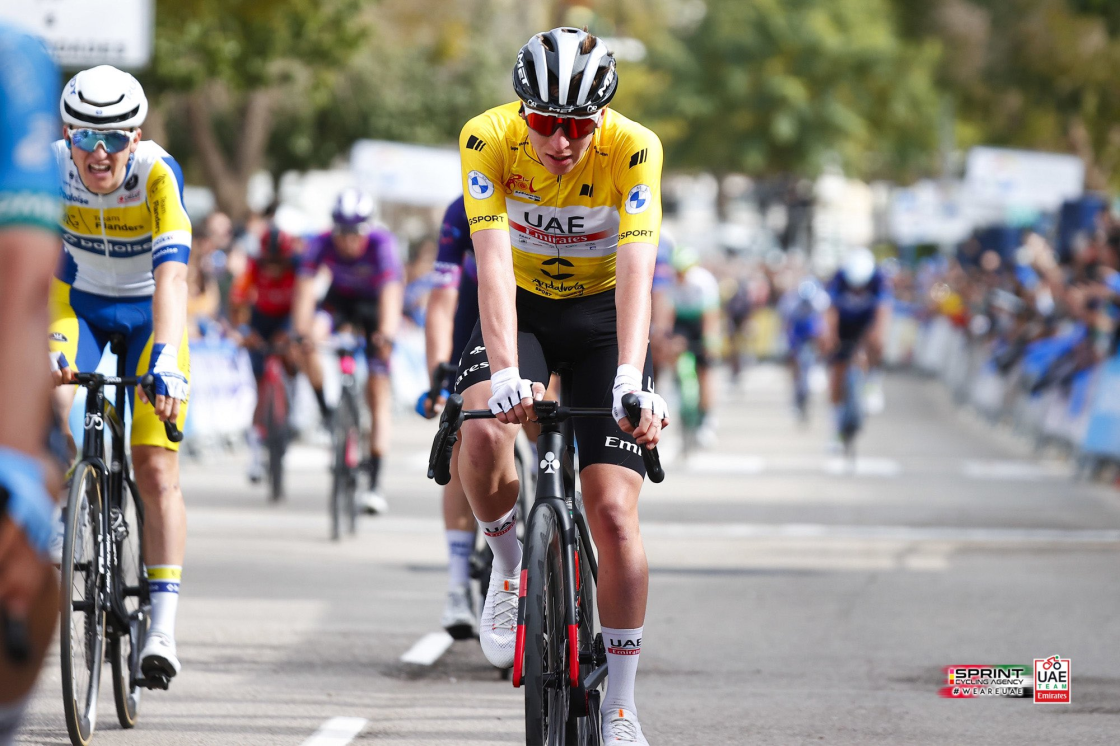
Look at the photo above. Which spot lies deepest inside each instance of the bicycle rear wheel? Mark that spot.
(276, 438)
(343, 507)
(132, 586)
(545, 667)
(82, 633)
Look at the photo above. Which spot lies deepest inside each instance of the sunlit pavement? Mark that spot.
(795, 597)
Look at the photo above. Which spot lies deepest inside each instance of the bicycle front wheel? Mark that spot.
(132, 586)
(276, 440)
(82, 634)
(545, 666)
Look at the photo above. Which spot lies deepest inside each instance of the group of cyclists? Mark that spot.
(553, 259)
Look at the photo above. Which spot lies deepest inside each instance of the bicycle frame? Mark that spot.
(115, 477)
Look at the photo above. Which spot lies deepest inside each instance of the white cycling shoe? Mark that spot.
(458, 615)
(158, 656)
(621, 728)
(497, 630)
(372, 503)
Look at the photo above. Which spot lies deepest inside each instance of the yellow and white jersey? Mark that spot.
(113, 242)
(564, 230)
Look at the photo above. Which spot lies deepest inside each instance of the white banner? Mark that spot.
(85, 33)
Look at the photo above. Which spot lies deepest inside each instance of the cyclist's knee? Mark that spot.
(157, 473)
(484, 442)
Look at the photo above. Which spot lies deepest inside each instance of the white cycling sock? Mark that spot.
(501, 535)
(254, 439)
(623, 648)
(460, 544)
(11, 715)
(163, 587)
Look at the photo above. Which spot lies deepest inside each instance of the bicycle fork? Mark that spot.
(550, 488)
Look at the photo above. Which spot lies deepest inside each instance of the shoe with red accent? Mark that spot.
(621, 728)
(497, 630)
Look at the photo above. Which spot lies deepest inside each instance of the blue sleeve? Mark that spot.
(835, 288)
(454, 234)
(312, 255)
(29, 89)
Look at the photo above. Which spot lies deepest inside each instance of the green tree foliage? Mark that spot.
(780, 86)
(1036, 74)
(221, 66)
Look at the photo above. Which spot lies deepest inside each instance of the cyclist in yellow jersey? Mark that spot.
(126, 239)
(563, 199)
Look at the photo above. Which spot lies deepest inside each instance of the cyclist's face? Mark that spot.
(558, 152)
(100, 171)
(350, 245)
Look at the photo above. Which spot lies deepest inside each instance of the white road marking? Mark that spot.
(884, 533)
(1018, 470)
(336, 732)
(428, 649)
(740, 464)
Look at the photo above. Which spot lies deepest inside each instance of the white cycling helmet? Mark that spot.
(858, 267)
(565, 71)
(103, 97)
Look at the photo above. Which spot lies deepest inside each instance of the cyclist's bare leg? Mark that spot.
(707, 381)
(310, 362)
(836, 373)
(63, 399)
(16, 681)
(457, 515)
(610, 496)
(165, 516)
(379, 397)
(486, 464)
(165, 534)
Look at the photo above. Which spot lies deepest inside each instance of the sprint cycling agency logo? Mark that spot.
(479, 186)
(638, 199)
(1052, 680)
(1048, 680)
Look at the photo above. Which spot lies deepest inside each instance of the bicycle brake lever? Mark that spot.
(148, 383)
(650, 456)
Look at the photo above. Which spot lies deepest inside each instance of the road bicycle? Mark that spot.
(559, 658)
(346, 440)
(104, 579)
(274, 397)
(851, 407)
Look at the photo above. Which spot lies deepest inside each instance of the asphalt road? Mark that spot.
(793, 599)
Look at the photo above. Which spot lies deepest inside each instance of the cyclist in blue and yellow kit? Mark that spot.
(126, 239)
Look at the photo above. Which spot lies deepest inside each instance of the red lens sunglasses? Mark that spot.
(574, 127)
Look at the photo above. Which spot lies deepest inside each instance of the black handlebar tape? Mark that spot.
(17, 640)
(439, 464)
(650, 456)
(148, 383)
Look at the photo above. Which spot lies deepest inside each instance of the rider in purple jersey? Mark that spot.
(367, 294)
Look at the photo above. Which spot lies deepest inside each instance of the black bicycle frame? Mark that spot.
(115, 476)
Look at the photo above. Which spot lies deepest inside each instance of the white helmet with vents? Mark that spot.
(565, 71)
(103, 97)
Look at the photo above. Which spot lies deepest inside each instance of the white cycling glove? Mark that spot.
(170, 381)
(628, 380)
(507, 389)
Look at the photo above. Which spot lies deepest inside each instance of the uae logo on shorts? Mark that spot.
(638, 200)
(479, 186)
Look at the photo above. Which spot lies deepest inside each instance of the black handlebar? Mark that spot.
(453, 417)
(147, 382)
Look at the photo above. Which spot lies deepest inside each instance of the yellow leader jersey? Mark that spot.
(565, 230)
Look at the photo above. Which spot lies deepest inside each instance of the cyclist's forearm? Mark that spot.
(391, 306)
(633, 299)
(497, 297)
(169, 304)
(303, 306)
(27, 259)
(439, 323)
